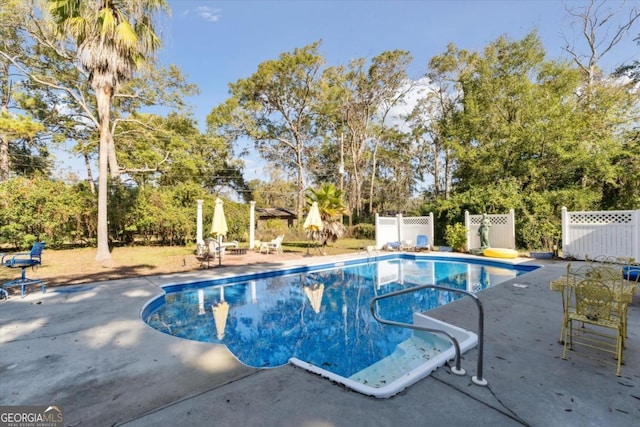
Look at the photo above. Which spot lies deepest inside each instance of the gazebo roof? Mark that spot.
(269, 213)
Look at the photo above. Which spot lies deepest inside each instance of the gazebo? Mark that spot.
(282, 214)
(263, 214)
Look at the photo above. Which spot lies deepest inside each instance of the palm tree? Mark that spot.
(113, 39)
(331, 208)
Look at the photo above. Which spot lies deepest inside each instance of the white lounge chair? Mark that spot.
(274, 245)
(232, 244)
(211, 250)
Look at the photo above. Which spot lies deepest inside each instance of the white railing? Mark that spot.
(502, 233)
(399, 229)
(595, 233)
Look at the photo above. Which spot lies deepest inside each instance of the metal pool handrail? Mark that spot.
(477, 379)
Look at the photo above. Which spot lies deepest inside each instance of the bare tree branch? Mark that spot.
(596, 21)
(78, 98)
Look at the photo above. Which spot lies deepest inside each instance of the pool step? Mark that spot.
(408, 355)
(412, 360)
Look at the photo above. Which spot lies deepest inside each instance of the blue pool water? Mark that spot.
(320, 316)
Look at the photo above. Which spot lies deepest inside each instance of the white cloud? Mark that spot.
(397, 114)
(208, 13)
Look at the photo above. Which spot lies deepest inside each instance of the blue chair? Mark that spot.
(393, 246)
(631, 273)
(23, 260)
(422, 242)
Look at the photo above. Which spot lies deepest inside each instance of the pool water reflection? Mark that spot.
(321, 317)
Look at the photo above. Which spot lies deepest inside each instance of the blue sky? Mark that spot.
(216, 43)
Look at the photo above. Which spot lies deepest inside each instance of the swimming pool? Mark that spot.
(318, 317)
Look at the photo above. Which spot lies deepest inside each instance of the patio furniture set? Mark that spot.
(595, 302)
(422, 243)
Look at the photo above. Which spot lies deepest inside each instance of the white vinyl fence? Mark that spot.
(502, 233)
(398, 229)
(595, 233)
(476, 278)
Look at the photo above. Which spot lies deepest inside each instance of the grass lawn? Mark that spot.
(75, 266)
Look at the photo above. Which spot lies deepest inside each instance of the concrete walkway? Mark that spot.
(85, 349)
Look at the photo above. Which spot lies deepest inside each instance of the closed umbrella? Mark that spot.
(314, 293)
(313, 223)
(219, 226)
(220, 314)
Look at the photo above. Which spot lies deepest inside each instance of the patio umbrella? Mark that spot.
(220, 314)
(314, 293)
(219, 226)
(313, 221)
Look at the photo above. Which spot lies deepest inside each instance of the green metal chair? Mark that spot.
(594, 306)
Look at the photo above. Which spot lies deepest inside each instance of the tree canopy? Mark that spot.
(504, 127)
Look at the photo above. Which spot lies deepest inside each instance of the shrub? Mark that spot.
(363, 231)
(456, 236)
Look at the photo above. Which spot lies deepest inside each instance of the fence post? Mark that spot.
(565, 232)
(400, 228)
(467, 225)
(199, 240)
(252, 224)
(377, 236)
(430, 229)
(635, 251)
(512, 218)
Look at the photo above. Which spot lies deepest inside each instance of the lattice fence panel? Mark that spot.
(386, 230)
(615, 217)
(501, 232)
(600, 233)
(412, 226)
(399, 228)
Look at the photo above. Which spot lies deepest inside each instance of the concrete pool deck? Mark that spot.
(85, 349)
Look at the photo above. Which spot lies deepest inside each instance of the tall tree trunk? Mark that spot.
(5, 87)
(87, 165)
(103, 98)
(357, 146)
(447, 174)
(114, 169)
(373, 174)
(356, 180)
(437, 190)
(4, 157)
(4, 139)
(300, 185)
